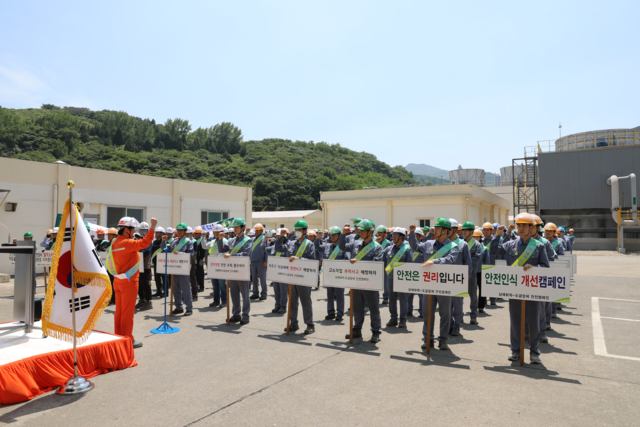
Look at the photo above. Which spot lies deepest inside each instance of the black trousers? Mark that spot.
(193, 281)
(482, 301)
(113, 291)
(144, 286)
(200, 276)
(159, 283)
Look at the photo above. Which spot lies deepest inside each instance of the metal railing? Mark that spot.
(584, 141)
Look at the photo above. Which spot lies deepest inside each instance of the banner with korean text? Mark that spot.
(366, 276)
(43, 258)
(445, 280)
(535, 284)
(301, 272)
(232, 268)
(177, 264)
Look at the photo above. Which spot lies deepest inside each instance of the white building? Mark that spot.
(287, 219)
(38, 192)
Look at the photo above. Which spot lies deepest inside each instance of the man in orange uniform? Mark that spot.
(126, 258)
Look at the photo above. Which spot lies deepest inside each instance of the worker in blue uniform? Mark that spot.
(397, 253)
(331, 250)
(239, 245)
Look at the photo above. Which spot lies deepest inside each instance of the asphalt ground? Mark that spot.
(213, 374)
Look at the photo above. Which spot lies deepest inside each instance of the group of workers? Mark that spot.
(526, 244)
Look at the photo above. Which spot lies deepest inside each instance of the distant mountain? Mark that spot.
(432, 180)
(422, 169)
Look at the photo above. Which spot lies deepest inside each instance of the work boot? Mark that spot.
(262, 298)
(385, 301)
(515, 355)
(244, 321)
(136, 344)
(223, 305)
(473, 321)
(375, 338)
(276, 310)
(330, 316)
(282, 310)
(481, 310)
(214, 304)
(338, 318)
(292, 328)
(410, 314)
(535, 359)
(310, 329)
(548, 326)
(178, 311)
(188, 313)
(424, 344)
(357, 333)
(392, 322)
(442, 344)
(139, 304)
(403, 323)
(455, 330)
(254, 297)
(148, 305)
(544, 339)
(195, 298)
(235, 318)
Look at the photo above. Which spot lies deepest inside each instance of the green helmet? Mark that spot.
(444, 223)
(335, 230)
(468, 226)
(366, 225)
(238, 222)
(181, 226)
(357, 221)
(28, 235)
(301, 224)
(426, 229)
(381, 229)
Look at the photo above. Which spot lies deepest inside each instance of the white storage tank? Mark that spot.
(467, 176)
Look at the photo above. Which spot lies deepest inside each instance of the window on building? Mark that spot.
(114, 213)
(207, 217)
(281, 225)
(425, 223)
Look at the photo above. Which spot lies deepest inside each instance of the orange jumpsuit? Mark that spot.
(125, 255)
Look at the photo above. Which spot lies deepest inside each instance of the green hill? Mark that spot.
(422, 169)
(294, 172)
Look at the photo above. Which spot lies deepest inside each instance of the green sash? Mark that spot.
(472, 244)
(199, 240)
(384, 243)
(528, 251)
(214, 248)
(364, 251)
(303, 247)
(335, 252)
(180, 245)
(394, 260)
(555, 243)
(443, 250)
(155, 253)
(170, 240)
(415, 255)
(257, 242)
(239, 245)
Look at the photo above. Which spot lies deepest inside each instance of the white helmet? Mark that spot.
(273, 232)
(226, 230)
(218, 228)
(189, 230)
(128, 221)
(159, 230)
(251, 233)
(454, 223)
(169, 230)
(399, 230)
(55, 230)
(419, 231)
(144, 226)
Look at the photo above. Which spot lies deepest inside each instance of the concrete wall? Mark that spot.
(602, 244)
(314, 220)
(171, 201)
(404, 206)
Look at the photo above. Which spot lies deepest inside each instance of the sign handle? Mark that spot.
(45, 280)
(428, 322)
(522, 334)
(289, 308)
(171, 299)
(228, 304)
(350, 316)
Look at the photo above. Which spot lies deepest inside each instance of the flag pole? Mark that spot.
(165, 328)
(77, 384)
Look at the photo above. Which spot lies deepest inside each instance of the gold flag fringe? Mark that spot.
(90, 279)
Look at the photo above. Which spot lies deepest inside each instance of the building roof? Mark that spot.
(282, 214)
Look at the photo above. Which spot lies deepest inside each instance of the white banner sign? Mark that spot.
(232, 268)
(446, 280)
(363, 275)
(301, 272)
(43, 258)
(536, 284)
(177, 264)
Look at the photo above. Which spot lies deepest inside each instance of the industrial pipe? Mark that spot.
(615, 197)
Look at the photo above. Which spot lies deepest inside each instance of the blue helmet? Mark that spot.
(496, 225)
(561, 229)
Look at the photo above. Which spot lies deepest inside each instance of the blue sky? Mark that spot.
(442, 83)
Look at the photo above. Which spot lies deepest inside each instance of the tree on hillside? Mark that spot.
(226, 137)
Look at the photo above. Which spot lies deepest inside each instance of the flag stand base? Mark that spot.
(164, 329)
(76, 385)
